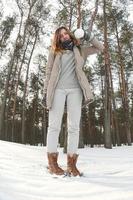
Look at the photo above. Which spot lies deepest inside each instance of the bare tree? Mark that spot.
(107, 128)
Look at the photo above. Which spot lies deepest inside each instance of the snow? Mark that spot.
(108, 174)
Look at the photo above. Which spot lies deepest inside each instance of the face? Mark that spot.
(64, 35)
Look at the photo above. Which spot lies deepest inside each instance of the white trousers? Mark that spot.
(73, 97)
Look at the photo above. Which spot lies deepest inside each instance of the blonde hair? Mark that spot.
(56, 43)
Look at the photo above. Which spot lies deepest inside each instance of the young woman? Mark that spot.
(66, 82)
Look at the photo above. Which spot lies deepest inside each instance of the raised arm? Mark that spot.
(89, 44)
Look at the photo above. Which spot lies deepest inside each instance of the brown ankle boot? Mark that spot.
(71, 165)
(53, 165)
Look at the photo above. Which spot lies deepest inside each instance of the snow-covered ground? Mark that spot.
(23, 175)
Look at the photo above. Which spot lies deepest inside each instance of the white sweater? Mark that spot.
(68, 78)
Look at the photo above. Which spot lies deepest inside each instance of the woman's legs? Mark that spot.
(55, 119)
(74, 103)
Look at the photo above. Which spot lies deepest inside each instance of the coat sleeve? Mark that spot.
(92, 47)
(49, 67)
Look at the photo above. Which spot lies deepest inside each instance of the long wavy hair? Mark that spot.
(56, 44)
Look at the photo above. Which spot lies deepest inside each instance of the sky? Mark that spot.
(9, 7)
(108, 174)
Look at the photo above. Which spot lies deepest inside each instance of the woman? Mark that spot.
(66, 82)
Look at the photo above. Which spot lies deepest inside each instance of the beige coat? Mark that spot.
(53, 70)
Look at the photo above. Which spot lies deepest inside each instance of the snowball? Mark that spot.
(79, 33)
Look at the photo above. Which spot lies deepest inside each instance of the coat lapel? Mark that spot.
(57, 59)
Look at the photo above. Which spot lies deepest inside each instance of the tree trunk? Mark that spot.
(81, 143)
(3, 106)
(25, 92)
(79, 3)
(16, 89)
(107, 134)
(114, 114)
(123, 89)
(22, 61)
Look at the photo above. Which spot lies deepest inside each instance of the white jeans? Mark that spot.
(74, 102)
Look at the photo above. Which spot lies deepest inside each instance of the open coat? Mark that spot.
(53, 70)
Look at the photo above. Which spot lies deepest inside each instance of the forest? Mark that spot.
(25, 37)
